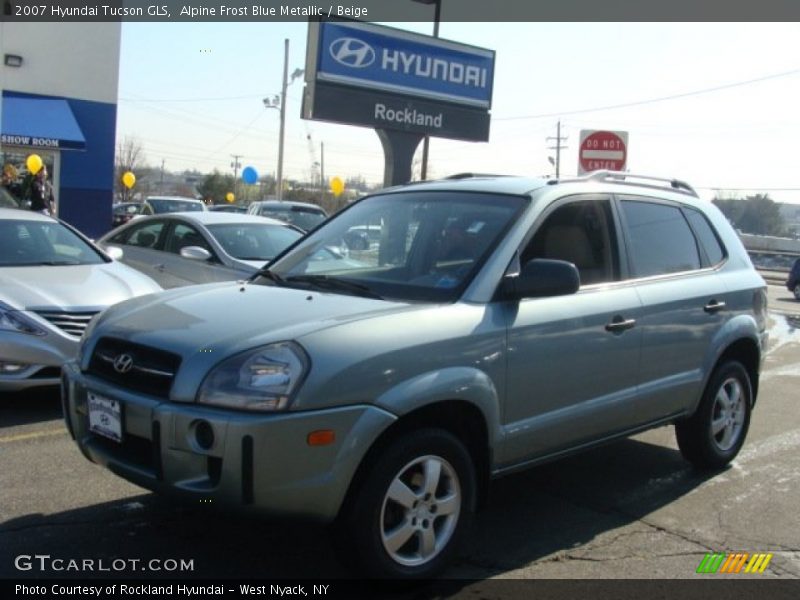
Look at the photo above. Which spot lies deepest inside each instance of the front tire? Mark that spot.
(796, 291)
(415, 502)
(713, 436)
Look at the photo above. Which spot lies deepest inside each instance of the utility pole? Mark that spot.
(235, 165)
(161, 184)
(283, 117)
(558, 148)
(322, 169)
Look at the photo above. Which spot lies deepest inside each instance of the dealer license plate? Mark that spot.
(105, 416)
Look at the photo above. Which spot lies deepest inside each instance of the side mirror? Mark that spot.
(542, 277)
(195, 253)
(114, 252)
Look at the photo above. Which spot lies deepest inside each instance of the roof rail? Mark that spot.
(623, 177)
(470, 175)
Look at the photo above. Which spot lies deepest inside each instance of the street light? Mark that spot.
(425, 142)
(279, 102)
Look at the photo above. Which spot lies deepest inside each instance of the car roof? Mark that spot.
(502, 184)
(21, 214)
(214, 218)
(174, 198)
(288, 204)
(599, 181)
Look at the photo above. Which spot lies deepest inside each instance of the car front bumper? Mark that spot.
(256, 462)
(41, 357)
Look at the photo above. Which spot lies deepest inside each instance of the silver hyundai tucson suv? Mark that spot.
(497, 323)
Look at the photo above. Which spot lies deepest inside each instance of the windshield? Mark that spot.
(168, 206)
(26, 243)
(253, 241)
(304, 218)
(409, 246)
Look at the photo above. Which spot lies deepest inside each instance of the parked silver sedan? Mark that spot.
(188, 248)
(52, 282)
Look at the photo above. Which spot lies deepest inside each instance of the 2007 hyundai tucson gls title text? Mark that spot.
(500, 322)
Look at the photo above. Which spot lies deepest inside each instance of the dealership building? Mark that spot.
(59, 84)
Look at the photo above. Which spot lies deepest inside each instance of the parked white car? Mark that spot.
(188, 248)
(53, 281)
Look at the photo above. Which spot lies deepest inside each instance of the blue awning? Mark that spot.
(41, 123)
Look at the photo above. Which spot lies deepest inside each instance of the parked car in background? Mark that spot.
(158, 205)
(231, 208)
(793, 282)
(179, 249)
(501, 322)
(53, 281)
(300, 214)
(124, 212)
(7, 200)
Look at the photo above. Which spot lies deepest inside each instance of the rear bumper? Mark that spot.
(256, 462)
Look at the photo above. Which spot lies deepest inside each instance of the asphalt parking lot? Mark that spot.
(632, 509)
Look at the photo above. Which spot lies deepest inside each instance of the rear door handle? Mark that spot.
(714, 306)
(619, 324)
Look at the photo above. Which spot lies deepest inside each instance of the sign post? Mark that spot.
(602, 150)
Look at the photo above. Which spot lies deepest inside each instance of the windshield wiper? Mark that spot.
(267, 274)
(324, 282)
(52, 263)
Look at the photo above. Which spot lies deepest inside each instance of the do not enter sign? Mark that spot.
(602, 150)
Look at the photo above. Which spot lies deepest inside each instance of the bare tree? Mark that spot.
(129, 157)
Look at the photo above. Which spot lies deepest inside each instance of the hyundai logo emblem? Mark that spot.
(352, 52)
(123, 363)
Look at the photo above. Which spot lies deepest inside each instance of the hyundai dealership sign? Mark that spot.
(370, 75)
(387, 59)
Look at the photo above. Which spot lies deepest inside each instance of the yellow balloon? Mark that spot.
(230, 197)
(128, 179)
(34, 163)
(337, 186)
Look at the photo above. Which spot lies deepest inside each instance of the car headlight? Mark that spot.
(14, 320)
(263, 379)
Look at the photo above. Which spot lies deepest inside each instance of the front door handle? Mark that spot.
(159, 268)
(714, 306)
(619, 324)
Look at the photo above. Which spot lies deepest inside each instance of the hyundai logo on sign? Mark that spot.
(352, 52)
(382, 58)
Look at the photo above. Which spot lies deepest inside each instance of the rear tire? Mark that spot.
(412, 508)
(796, 291)
(713, 436)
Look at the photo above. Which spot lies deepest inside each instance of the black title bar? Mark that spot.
(187, 11)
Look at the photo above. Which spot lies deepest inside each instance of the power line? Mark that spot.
(653, 100)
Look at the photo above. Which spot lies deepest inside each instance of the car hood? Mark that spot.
(78, 287)
(206, 323)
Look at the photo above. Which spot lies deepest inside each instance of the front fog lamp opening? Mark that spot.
(203, 434)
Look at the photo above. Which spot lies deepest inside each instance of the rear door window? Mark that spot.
(144, 235)
(660, 240)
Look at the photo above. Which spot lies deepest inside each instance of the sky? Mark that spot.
(714, 104)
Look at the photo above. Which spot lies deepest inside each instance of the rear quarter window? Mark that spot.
(708, 239)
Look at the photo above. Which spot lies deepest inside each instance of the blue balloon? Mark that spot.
(249, 175)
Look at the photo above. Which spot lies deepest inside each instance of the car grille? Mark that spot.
(71, 323)
(145, 369)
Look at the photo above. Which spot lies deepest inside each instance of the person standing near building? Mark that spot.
(10, 175)
(41, 194)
